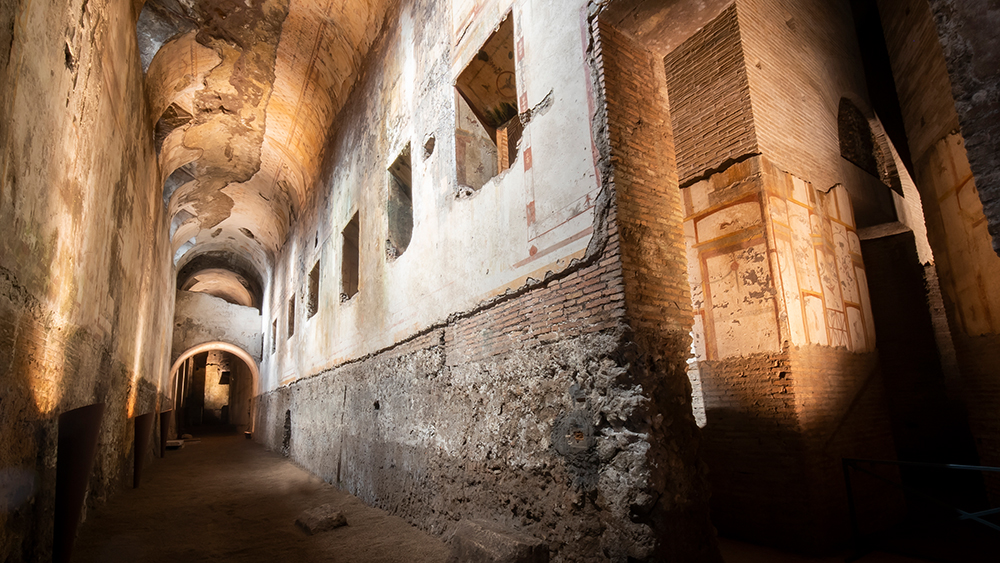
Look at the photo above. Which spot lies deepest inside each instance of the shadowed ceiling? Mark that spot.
(243, 94)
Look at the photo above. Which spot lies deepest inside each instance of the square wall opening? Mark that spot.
(399, 206)
(488, 128)
(312, 303)
(351, 259)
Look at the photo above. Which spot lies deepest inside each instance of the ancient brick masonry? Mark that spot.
(531, 409)
(782, 322)
(679, 190)
(538, 403)
(707, 75)
(653, 256)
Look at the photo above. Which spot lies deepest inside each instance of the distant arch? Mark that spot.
(225, 347)
(245, 270)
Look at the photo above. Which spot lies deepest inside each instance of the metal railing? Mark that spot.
(859, 465)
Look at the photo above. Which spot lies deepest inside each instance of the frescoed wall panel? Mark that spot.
(798, 277)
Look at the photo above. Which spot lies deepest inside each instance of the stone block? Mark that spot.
(486, 542)
(320, 519)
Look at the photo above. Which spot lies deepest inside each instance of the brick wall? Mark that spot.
(587, 300)
(778, 423)
(471, 420)
(561, 408)
(801, 59)
(979, 357)
(650, 213)
(841, 402)
(779, 416)
(753, 447)
(548, 408)
(657, 295)
(920, 73)
(710, 98)
(777, 427)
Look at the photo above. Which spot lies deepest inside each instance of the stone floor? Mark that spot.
(228, 499)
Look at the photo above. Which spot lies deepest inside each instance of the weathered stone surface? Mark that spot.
(523, 361)
(201, 318)
(85, 278)
(967, 31)
(476, 377)
(320, 519)
(487, 542)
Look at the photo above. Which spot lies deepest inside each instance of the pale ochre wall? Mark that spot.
(86, 287)
(533, 218)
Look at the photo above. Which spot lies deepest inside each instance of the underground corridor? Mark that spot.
(503, 281)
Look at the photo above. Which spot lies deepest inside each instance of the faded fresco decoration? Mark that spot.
(773, 260)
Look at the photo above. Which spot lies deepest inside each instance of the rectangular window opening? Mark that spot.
(312, 304)
(400, 204)
(488, 128)
(351, 259)
(274, 336)
(291, 316)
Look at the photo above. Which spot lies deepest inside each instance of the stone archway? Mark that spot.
(219, 345)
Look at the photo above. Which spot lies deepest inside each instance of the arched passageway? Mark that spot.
(212, 386)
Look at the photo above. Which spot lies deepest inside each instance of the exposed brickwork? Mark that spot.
(802, 57)
(752, 447)
(587, 300)
(778, 425)
(778, 422)
(841, 403)
(473, 413)
(979, 357)
(657, 294)
(710, 98)
(649, 205)
(469, 419)
(920, 73)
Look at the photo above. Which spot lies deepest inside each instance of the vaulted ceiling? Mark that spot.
(243, 95)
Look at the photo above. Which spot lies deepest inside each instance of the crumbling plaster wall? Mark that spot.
(86, 288)
(488, 371)
(957, 223)
(782, 325)
(533, 218)
(200, 318)
(785, 341)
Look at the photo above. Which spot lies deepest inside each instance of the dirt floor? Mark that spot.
(228, 499)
